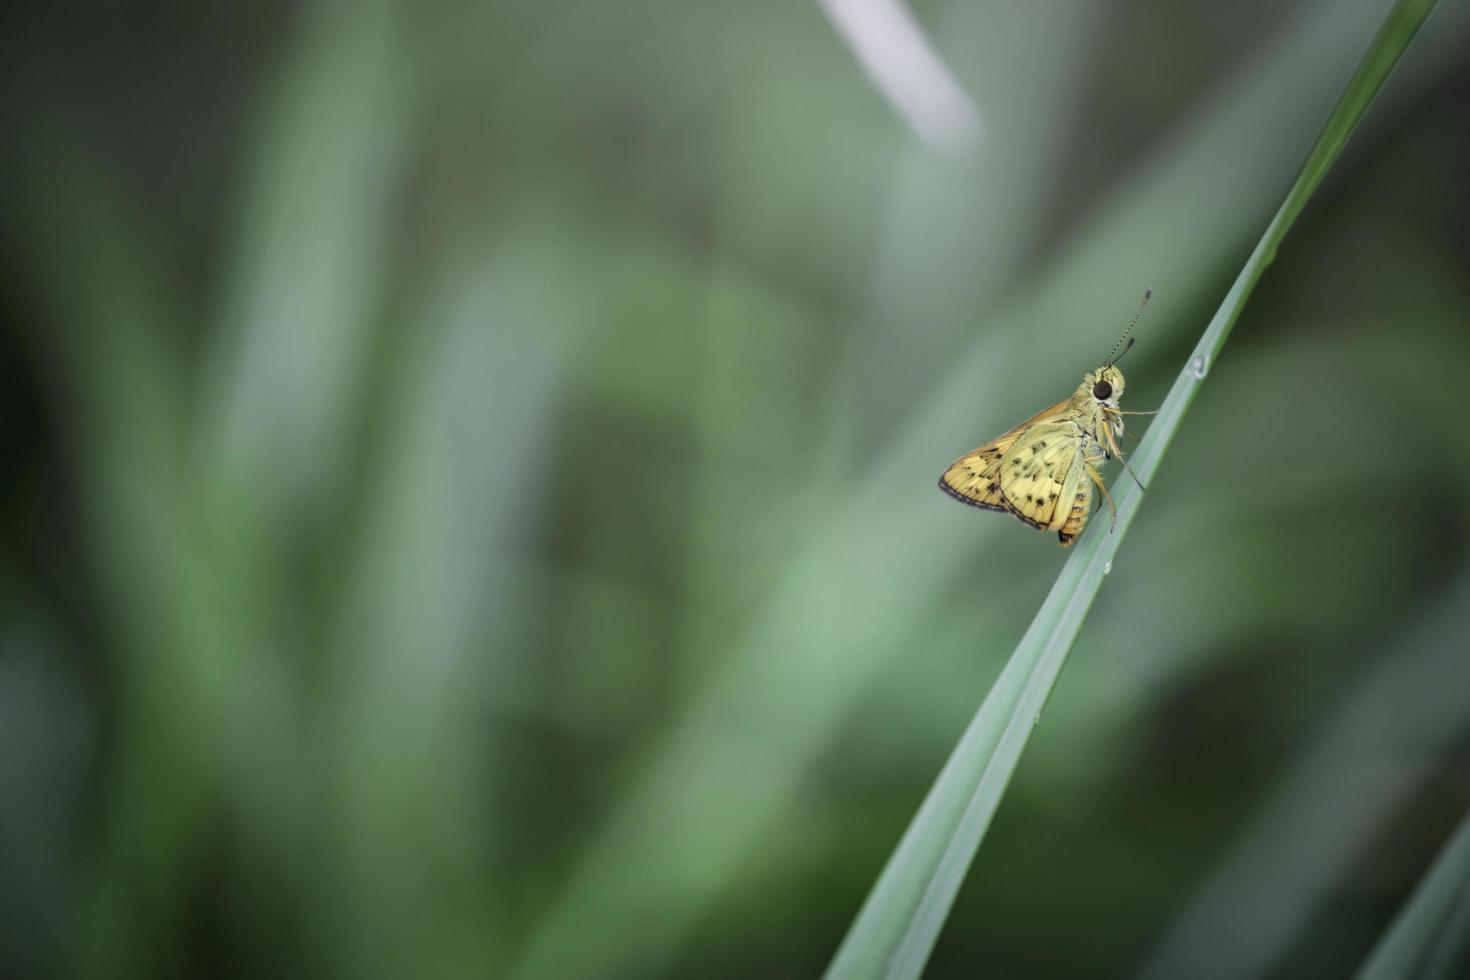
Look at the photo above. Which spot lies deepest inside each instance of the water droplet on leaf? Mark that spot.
(1198, 366)
(1107, 567)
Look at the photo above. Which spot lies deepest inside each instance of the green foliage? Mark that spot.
(469, 498)
(1430, 937)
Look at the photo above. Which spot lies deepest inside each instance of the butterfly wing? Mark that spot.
(1041, 472)
(974, 478)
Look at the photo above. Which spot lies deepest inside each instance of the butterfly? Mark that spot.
(1044, 470)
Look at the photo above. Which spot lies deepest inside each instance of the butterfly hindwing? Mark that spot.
(1039, 474)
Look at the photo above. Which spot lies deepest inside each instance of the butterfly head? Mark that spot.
(1104, 386)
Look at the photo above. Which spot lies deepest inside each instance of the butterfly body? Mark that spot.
(1043, 471)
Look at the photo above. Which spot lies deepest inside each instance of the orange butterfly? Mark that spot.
(1044, 469)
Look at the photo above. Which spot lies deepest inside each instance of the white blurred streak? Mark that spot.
(903, 65)
(284, 370)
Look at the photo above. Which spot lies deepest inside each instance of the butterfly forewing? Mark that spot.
(975, 478)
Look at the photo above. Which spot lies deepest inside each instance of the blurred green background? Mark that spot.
(469, 499)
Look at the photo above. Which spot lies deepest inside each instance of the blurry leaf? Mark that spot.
(418, 650)
(1377, 746)
(1430, 937)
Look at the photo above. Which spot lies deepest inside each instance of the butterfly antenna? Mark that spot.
(1113, 355)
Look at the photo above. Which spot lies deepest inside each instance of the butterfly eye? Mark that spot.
(1102, 391)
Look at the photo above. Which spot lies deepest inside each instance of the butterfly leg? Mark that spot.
(1096, 478)
(1107, 432)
